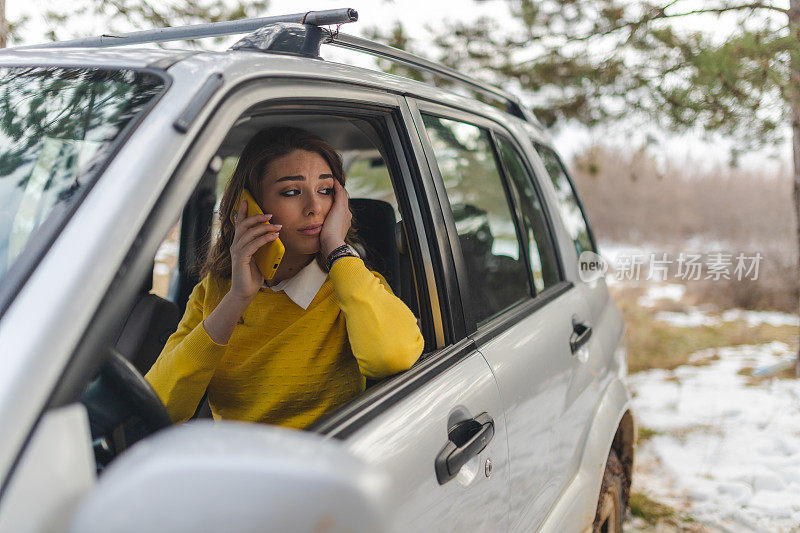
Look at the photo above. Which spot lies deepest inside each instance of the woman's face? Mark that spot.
(297, 189)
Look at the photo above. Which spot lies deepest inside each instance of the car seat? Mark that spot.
(375, 225)
(149, 324)
(385, 246)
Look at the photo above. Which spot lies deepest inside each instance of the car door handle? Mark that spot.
(465, 440)
(580, 334)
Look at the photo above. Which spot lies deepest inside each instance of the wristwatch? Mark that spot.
(344, 250)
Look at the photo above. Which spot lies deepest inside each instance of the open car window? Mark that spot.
(376, 213)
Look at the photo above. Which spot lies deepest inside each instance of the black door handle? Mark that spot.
(580, 334)
(466, 440)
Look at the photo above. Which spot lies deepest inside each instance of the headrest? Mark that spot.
(374, 221)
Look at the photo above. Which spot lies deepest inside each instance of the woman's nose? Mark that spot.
(313, 205)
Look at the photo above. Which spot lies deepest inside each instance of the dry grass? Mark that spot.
(655, 344)
(632, 198)
(756, 381)
(650, 510)
(683, 433)
(646, 434)
(775, 289)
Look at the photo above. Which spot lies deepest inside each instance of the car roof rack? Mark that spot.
(298, 33)
(199, 31)
(513, 104)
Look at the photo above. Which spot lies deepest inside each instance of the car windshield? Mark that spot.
(57, 127)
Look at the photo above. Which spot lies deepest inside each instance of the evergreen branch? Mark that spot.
(721, 10)
(154, 15)
(661, 14)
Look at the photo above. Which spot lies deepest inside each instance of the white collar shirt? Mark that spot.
(303, 286)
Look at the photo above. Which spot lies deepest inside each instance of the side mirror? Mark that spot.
(229, 476)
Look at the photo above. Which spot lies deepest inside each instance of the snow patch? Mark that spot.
(729, 448)
(690, 319)
(671, 291)
(754, 318)
(694, 317)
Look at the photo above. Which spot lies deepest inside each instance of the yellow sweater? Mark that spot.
(285, 365)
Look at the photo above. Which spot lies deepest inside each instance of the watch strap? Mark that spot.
(344, 250)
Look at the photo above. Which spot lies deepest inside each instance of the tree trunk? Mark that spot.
(794, 103)
(3, 25)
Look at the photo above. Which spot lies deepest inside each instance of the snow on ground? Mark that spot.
(670, 291)
(696, 317)
(727, 451)
(693, 317)
(754, 318)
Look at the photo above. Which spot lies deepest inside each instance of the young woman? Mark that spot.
(289, 350)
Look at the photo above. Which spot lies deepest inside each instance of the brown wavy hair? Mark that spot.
(265, 146)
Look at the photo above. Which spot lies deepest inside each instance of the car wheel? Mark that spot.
(612, 501)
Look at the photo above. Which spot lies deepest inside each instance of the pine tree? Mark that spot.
(9, 29)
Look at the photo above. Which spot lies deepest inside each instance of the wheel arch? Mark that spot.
(624, 444)
(614, 425)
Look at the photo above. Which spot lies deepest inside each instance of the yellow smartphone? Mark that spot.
(268, 257)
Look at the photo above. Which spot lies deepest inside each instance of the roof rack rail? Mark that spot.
(304, 43)
(197, 31)
(513, 104)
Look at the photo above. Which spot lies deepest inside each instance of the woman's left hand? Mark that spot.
(337, 223)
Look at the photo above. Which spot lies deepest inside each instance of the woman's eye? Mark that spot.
(327, 191)
(291, 192)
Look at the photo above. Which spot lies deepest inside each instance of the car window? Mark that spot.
(369, 184)
(166, 261)
(568, 204)
(56, 123)
(541, 251)
(368, 177)
(497, 275)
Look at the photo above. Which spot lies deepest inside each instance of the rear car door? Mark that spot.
(519, 309)
(594, 366)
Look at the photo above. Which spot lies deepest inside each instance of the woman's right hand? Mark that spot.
(250, 234)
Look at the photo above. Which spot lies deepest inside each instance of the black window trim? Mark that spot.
(445, 233)
(455, 252)
(546, 212)
(514, 314)
(515, 210)
(536, 146)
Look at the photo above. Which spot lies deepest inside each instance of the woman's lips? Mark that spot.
(311, 230)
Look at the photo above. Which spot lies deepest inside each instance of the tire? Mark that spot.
(613, 497)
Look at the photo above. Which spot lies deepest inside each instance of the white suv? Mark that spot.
(112, 159)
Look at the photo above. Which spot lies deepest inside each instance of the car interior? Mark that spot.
(121, 410)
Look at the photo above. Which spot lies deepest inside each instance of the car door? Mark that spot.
(594, 365)
(521, 311)
(438, 430)
(411, 424)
